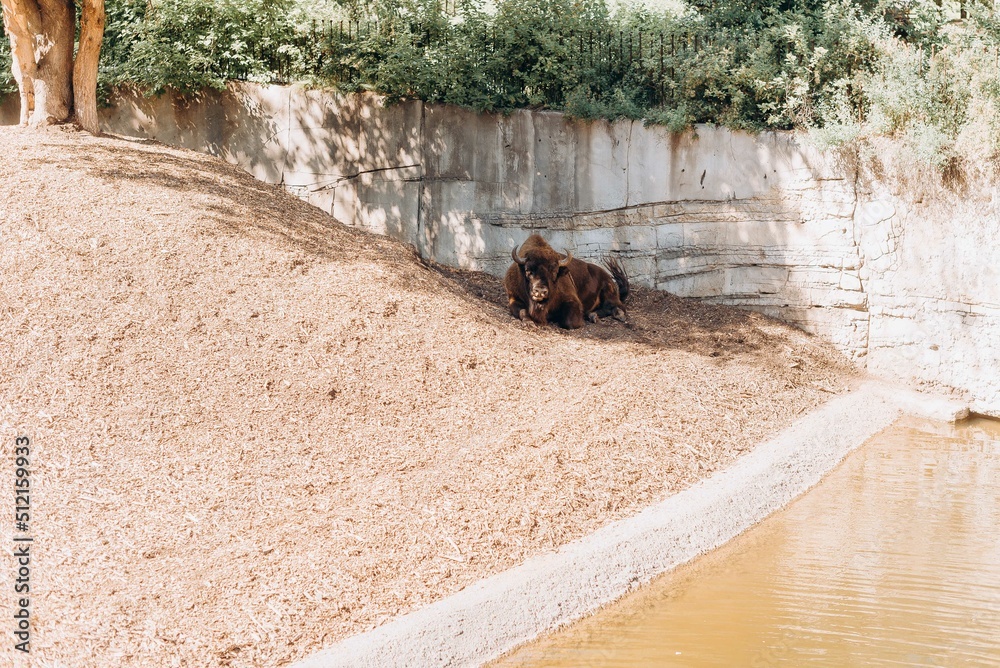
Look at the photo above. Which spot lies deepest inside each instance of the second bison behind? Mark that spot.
(543, 286)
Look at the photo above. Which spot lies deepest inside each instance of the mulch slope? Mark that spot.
(258, 431)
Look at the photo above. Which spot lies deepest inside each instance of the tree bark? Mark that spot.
(54, 57)
(22, 20)
(42, 34)
(85, 68)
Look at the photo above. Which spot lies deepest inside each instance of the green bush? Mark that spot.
(190, 45)
(843, 69)
(940, 97)
(7, 83)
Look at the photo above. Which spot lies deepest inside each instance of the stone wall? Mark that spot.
(931, 270)
(762, 222)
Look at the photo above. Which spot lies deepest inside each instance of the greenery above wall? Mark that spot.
(7, 84)
(843, 69)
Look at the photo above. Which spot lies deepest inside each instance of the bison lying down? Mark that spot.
(543, 286)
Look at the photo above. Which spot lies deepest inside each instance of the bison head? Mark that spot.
(541, 271)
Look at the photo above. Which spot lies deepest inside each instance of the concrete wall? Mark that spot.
(761, 222)
(932, 275)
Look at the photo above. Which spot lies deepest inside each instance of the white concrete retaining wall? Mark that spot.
(763, 222)
(932, 275)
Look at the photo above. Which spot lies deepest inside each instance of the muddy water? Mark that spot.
(893, 560)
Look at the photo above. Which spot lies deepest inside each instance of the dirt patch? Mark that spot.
(657, 320)
(258, 431)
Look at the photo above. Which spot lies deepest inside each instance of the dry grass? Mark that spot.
(258, 431)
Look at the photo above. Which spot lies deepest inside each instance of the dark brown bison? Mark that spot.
(540, 288)
(537, 288)
(601, 294)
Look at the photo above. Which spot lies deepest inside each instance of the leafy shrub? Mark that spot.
(7, 83)
(189, 45)
(940, 97)
(846, 70)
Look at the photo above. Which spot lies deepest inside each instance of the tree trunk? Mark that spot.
(22, 20)
(85, 68)
(54, 56)
(42, 34)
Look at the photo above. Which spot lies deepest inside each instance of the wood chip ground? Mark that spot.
(258, 431)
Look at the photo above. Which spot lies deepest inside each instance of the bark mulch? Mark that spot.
(257, 431)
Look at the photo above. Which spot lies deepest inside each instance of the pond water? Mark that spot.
(892, 560)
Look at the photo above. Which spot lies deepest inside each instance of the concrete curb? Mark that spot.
(497, 614)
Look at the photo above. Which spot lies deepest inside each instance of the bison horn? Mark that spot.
(565, 262)
(513, 256)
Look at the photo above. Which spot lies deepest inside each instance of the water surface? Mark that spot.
(893, 560)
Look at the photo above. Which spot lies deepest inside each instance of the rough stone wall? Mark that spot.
(760, 222)
(932, 278)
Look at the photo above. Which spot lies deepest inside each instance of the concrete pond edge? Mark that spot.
(493, 616)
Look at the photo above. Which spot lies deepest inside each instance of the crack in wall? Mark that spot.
(862, 260)
(333, 183)
(628, 165)
(421, 234)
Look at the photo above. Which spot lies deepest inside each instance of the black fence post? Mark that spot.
(672, 51)
(660, 79)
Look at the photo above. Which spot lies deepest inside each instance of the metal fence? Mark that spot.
(654, 62)
(334, 51)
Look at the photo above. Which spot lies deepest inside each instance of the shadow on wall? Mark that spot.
(757, 222)
(347, 155)
(760, 222)
(355, 159)
(234, 205)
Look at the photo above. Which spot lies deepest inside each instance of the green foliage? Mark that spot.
(944, 103)
(190, 45)
(526, 54)
(7, 84)
(842, 69)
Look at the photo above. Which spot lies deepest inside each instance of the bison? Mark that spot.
(600, 293)
(542, 286)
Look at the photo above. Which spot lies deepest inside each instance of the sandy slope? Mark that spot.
(258, 431)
